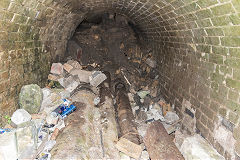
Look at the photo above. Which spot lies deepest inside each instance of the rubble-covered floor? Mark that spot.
(104, 52)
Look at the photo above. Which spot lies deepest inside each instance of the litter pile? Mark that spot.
(84, 114)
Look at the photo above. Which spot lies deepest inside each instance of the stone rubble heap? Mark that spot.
(36, 129)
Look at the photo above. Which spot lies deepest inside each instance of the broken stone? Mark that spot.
(144, 155)
(97, 78)
(165, 107)
(74, 64)
(152, 63)
(57, 68)
(8, 148)
(65, 94)
(82, 75)
(142, 129)
(26, 141)
(129, 148)
(124, 156)
(143, 94)
(72, 86)
(67, 67)
(195, 147)
(46, 92)
(53, 77)
(20, 116)
(30, 98)
(224, 137)
(171, 117)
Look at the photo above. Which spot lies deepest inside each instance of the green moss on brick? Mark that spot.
(216, 58)
(232, 62)
(206, 3)
(234, 52)
(236, 73)
(235, 19)
(4, 4)
(235, 107)
(219, 50)
(222, 9)
(233, 117)
(233, 95)
(220, 21)
(206, 13)
(235, 84)
(214, 31)
(230, 41)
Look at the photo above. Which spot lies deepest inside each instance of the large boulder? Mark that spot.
(30, 98)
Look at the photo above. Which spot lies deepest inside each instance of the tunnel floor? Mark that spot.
(109, 83)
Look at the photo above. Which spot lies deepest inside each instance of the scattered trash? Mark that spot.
(64, 109)
(20, 116)
(4, 130)
(97, 78)
(129, 148)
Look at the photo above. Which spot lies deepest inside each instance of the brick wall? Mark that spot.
(195, 42)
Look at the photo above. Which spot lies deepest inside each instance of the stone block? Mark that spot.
(129, 148)
(82, 75)
(8, 148)
(20, 116)
(57, 68)
(74, 64)
(67, 67)
(225, 138)
(30, 98)
(97, 78)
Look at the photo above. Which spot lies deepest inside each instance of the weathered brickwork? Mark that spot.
(195, 42)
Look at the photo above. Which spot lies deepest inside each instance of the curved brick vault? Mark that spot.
(195, 43)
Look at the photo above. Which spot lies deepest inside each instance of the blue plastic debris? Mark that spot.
(64, 109)
(4, 130)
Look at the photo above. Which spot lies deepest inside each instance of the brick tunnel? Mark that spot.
(194, 42)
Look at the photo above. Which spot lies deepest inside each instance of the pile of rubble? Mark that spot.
(36, 125)
(80, 114)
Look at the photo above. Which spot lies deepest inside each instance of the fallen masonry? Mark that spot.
(104, 102)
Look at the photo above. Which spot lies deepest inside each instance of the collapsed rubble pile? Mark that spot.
(106, 106)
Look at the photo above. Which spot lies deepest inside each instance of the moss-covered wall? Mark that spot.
(195, 42)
